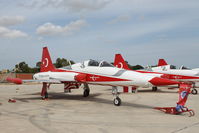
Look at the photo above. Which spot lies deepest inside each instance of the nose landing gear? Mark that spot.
(117, 101)
(86, 90)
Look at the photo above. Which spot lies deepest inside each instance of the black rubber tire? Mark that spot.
(46, 95)
(154, 88)
(86, 93)
(117, 101)
(194, 91)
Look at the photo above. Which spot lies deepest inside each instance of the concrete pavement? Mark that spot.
(73, 113)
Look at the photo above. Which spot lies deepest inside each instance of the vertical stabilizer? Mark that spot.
(46, 62)
(162, 62)
(120, 62)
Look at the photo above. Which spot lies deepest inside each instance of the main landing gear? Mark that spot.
(86, 90)
(117, 101)
(154, 88)
(194, 91)
(44, 92)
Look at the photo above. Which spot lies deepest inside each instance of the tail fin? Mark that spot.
(46, 62)
(162, 62)
(120, 62)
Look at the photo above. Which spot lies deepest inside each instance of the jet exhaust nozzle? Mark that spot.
(161, 81)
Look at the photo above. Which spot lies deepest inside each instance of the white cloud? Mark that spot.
(122, 18)
(6, 21)
(51, 29)
(72, 5)
(11, 20)
(7, 33)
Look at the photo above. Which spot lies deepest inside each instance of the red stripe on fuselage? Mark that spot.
(94, 77)
(99, 78)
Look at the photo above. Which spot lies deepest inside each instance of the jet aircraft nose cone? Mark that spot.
(14, 80)
(161, 81)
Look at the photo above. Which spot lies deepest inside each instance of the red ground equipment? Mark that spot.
(12, 101)
(184, 91)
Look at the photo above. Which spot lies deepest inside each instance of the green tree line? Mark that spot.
(23, 67)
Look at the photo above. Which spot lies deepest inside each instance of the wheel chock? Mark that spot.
(12, 101)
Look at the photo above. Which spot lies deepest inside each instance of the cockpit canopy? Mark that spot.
(93, 63)
(184, 68)
(172, 67)
(105, 64)
(99, 64)
(88, 63)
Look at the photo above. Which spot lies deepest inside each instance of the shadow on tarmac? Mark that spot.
(150, 91)
(158, 91)
(91, 98)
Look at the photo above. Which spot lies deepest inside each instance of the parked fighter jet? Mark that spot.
(90, 72)
(166, 71)
(164, 65)
(184, 87)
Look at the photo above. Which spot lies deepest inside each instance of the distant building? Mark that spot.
(4, 71)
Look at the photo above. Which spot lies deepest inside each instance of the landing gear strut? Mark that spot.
(86, 90)
(117, 101)
(44, 93)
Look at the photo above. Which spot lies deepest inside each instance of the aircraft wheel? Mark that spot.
(154, 88)
(45, 96)
(194, 91)
(117, 101)
(86, 92)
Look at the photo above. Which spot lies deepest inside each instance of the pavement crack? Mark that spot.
(186, 127)
(42, 121)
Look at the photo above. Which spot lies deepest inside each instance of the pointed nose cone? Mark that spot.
(161, 81)
(14, 80)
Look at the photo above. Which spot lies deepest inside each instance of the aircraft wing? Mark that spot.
(41, 81)
(20, 81)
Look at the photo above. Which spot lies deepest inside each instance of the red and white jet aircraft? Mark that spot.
(186, 83)
(164, 66)
(91, 72)
(166, 71)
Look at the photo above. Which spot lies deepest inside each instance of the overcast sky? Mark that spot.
(141, 30)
